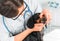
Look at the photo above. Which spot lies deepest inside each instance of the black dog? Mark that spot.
(35, 36)
(33, 19)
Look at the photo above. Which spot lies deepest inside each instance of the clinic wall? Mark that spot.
(53, 11)
(45, 3)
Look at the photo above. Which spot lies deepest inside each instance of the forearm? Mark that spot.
(22, 35)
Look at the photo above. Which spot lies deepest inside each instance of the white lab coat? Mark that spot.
(17, 26)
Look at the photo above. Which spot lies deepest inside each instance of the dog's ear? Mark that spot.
(32, 20)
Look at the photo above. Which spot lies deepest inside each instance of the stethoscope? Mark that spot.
(27, 11)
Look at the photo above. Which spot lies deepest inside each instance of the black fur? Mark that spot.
(33, 19)
(35, 36)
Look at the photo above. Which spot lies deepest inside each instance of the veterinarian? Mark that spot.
(13, 16)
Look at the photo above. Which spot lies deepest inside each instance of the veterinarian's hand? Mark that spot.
(47, 14)
(38, 27)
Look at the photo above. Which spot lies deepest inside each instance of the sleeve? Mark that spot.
(38, 7)
(4, 35)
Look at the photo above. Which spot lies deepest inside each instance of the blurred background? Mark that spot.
(52, 33)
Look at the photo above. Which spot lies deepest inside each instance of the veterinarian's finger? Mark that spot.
(41, 27)
(41, 15)
(38, 26)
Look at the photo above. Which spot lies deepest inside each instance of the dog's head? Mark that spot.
(35, 19)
